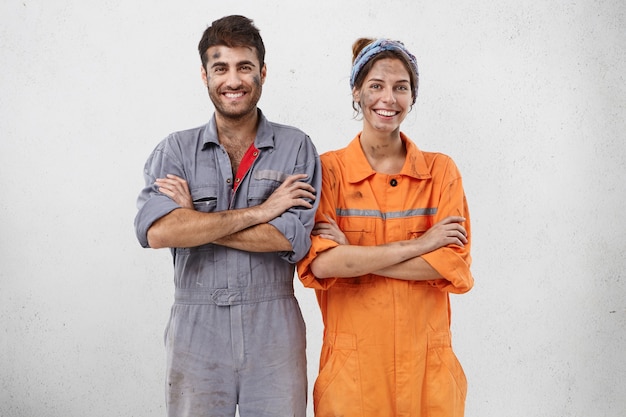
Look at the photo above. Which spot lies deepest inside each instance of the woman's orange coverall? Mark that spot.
(387, 345)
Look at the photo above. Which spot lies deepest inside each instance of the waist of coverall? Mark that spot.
(234, 296)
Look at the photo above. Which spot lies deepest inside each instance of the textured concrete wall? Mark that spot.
(527, 97)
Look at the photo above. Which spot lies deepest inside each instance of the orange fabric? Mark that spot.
(387, 344)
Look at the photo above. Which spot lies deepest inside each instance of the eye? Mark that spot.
(246, 68)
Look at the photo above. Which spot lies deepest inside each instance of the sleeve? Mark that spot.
(297, 223)
(326, 207)
(152, 204)
(452, 262)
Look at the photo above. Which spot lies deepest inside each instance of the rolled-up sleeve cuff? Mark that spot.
(454, 267)
(295, 233)
(151, 211)
(305, 274)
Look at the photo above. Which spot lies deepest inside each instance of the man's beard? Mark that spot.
(239, 112)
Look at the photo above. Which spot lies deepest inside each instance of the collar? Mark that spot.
(358, 168)
(264, 133)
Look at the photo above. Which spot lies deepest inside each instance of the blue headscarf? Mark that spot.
(378, 46)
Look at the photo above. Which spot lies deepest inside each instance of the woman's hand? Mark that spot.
(448, 231)
(330, 231)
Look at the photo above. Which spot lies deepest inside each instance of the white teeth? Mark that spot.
(233, 95)
(385, 113)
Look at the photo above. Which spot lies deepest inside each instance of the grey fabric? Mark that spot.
(236, 333)
(251, 354)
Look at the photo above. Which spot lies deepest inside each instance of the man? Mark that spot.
(235, 201)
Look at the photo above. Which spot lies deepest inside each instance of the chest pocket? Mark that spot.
(417, 226)
(263, 184)
(204, 199)
(359, 230)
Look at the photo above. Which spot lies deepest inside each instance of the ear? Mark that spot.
(356, 95)
(263, 73)
(204, 76)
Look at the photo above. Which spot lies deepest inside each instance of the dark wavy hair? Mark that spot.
(232, 31)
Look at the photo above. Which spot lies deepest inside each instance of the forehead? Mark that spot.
(389, 68)
(227, 55)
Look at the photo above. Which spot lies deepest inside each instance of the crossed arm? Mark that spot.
(401, 260)
(244, 229)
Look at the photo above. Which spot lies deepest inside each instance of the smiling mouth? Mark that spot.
(238, 94)
(386, 113)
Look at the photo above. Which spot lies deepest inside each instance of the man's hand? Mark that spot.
(291, 193)
(330, 231)
(447, 232)
(175, 188)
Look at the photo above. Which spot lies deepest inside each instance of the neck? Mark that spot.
(237, 129)
(382, 144)
(384, 151)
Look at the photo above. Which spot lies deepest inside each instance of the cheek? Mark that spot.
(367, 98)
(210, 85)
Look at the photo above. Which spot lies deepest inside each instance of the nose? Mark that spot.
(234, 80)
(389, 96)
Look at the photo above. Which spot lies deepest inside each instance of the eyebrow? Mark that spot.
(238, 64)
(380, 80)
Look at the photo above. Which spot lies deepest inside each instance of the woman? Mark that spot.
(391, 241)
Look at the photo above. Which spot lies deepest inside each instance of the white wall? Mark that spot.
(527, 97)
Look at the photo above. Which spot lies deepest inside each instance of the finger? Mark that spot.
(299, 176)
(303, 186)
(303, 203)
(178, 181)
(453, 219)
(166, 191)
(294, 178)
(160, 182)
(460, 229)
(459, 236)
(164, 182)
(302, 194)
(322, 228)
(327, 236)
(306, 194)
(169, 178)
(170, 190)
(175, 178)
(330, 220)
